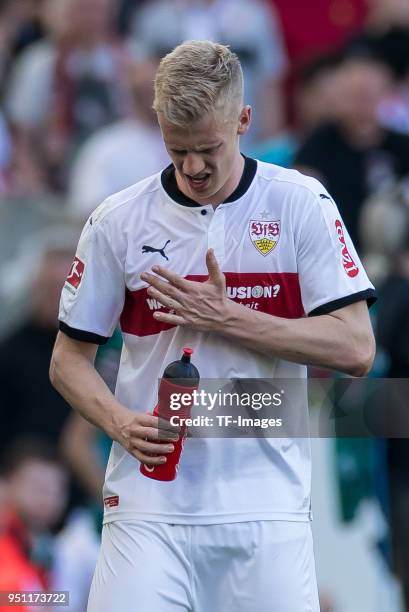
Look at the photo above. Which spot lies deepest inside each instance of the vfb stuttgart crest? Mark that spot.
(264, 235)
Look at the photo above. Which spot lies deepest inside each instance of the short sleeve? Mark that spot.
(94, 291)
(331, 275)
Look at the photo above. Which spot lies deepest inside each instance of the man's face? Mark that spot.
(87, 19)
(206, 155)
(360, 88)
(38, 491)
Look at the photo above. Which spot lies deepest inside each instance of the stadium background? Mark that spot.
(329, 83)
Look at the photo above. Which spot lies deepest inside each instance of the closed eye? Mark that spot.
(210, 150)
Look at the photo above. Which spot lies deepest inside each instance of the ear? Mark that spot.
(244, 120)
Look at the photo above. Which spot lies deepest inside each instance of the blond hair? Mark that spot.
(196, 77)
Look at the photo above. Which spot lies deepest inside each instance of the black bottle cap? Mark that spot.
(183, 369)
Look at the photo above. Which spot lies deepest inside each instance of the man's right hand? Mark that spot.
(148, 438)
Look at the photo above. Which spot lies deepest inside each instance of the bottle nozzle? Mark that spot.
(187, 353)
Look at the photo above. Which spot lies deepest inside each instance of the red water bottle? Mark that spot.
(182, 378)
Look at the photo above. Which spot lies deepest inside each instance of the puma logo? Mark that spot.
(148, 249)
(323, 196)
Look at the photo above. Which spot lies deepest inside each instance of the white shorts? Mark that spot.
(257, 566)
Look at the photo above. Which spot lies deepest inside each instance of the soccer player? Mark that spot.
(251, 265)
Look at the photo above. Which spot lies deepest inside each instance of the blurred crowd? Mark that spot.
(328, 81)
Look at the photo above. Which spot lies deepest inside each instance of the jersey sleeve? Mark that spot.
(94, 291)
(331, 274)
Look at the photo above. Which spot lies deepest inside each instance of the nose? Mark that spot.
(193, 164)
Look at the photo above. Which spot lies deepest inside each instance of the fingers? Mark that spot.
(166, 428)
(174, 279)
(165, 300)
(154, 448)
(215, 274)
(150, 453)
(160, 435)
(149, 438)
(173, 285)
(155, 428)
(171, 319)
(190, 303)
(148, 459)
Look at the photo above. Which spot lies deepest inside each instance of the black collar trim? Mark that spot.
(169, 184)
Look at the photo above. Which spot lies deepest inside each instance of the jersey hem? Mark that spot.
(194, 519)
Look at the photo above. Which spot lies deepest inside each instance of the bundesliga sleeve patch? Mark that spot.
(350, 266)
(75, 274)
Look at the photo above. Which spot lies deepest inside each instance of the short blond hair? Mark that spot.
(196, 77)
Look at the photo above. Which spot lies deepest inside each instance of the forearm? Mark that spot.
(75, 377)
(324, 341)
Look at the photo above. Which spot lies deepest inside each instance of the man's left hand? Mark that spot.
(201, 306)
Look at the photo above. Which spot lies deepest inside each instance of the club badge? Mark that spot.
(264, 235)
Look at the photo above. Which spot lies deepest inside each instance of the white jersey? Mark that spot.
(281, 244)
